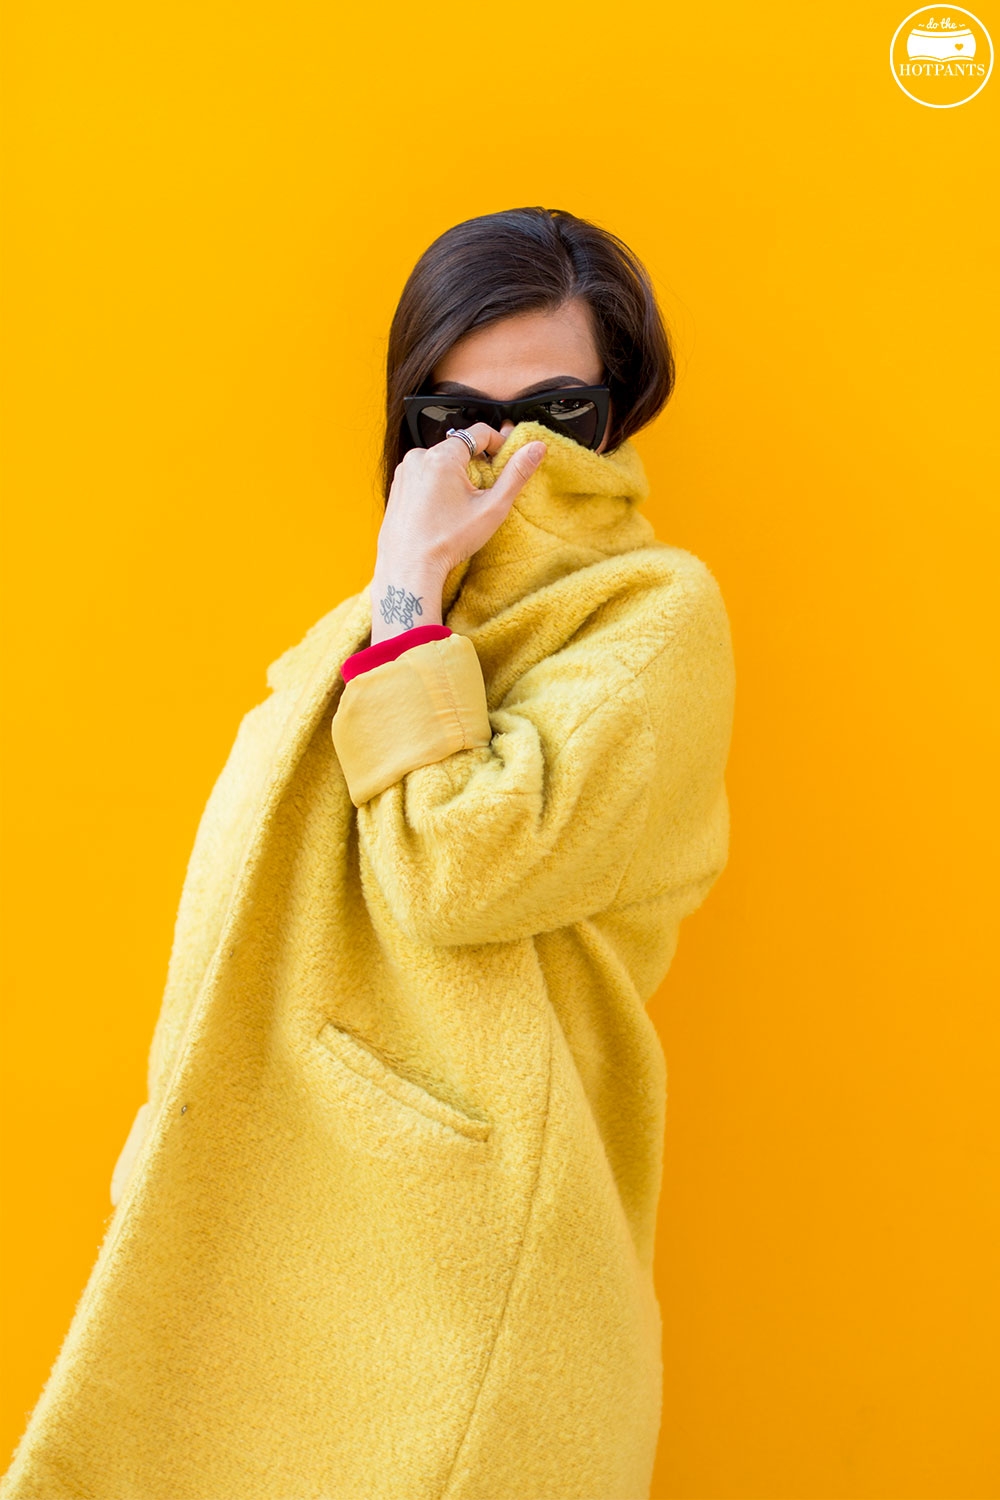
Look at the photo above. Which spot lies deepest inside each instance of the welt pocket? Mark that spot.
(365, 1063)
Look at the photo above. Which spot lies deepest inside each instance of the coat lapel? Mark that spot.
(308, 676)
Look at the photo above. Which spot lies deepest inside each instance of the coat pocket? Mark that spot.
(363, 1062)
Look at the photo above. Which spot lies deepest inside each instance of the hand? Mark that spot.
(435, 517)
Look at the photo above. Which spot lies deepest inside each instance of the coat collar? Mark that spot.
(577, 508)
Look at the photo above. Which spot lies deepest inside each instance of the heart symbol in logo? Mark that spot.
(959, 46)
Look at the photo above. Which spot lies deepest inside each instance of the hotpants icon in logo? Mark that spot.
(933, 45)
(941, 58)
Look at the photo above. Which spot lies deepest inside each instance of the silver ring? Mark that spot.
(466, 437)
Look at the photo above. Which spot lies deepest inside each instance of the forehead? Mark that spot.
(518, 352)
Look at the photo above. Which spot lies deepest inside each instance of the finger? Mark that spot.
(487, 440)
(493, 440)
(517, 471)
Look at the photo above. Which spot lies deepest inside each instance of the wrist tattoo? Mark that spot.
(398, 606)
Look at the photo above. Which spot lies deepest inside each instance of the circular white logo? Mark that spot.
(941, 57)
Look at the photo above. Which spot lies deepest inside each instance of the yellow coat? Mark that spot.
(385, 1226)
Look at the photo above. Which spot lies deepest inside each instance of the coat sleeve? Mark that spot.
(481, 826)
(598, 779)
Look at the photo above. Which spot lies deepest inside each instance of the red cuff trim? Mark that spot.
(388, 650)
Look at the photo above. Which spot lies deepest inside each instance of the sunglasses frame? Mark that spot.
(497, 411)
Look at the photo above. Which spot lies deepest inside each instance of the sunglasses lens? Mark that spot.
(435, 419)
(577, 417)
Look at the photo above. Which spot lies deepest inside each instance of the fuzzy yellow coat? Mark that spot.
(386, 1220)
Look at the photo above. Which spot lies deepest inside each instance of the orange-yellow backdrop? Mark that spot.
(210, 211)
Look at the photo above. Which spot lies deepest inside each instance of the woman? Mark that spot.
(384, 1226)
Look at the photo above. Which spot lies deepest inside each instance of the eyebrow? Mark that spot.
(554, 382)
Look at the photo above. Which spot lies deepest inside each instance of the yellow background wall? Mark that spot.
(210, 212)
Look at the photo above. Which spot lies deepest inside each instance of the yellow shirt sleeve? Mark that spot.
(420, 708)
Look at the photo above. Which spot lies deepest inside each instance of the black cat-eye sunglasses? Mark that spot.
(578, 411)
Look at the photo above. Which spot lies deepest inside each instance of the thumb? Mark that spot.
(516, 473)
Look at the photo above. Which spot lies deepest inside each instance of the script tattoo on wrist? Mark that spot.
(398, 606)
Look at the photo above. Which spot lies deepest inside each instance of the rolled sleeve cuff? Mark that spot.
(426, 704)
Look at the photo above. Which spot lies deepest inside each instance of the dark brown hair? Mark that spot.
(524, 260)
